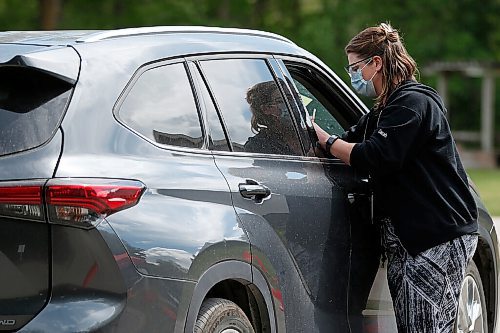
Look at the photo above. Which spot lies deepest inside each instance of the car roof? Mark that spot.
(51, 50)
(67, 37)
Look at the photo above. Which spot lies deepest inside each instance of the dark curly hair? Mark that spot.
(258, 96)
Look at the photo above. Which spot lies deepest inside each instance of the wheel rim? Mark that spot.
(230, 330)
(470, 311)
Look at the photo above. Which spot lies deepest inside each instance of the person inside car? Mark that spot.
(429, 223)
(270, 121)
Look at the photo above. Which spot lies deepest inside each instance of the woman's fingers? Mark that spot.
(321, 133)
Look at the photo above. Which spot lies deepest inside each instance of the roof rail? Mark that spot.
(105, 34)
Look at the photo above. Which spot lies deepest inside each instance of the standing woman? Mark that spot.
(428, 215)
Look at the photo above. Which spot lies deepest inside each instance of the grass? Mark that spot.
(488, 184)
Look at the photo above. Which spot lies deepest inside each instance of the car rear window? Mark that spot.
(32, 103)
(161, 107)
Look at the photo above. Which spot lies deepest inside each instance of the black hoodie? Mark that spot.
(418, 178)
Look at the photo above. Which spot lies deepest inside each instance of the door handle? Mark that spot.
(365, 180)
(352, 197)
(253, 190)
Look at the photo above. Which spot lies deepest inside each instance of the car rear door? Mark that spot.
(370, 306)
(294, 213)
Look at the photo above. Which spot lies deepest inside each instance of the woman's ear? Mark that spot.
(377, 60)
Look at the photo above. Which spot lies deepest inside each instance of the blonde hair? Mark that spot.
(397, 64)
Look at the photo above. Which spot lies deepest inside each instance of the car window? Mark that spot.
(32, 104)
(255, 113)
(161, 106)
(318, 100)
(296, 107)
(315, 108)
(218, 139)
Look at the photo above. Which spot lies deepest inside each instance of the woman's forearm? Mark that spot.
(342, 150)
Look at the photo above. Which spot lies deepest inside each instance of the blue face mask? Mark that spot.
(360, 85)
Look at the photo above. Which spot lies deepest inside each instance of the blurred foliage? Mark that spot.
(444, 30)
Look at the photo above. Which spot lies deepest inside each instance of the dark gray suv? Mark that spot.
(166, 179)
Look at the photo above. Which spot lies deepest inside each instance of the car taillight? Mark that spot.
(77, 202)
(22, 200)
(85, 202)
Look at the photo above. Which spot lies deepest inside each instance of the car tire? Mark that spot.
(471, 314)
(222, 315)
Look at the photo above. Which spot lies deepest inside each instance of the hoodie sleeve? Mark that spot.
(356, 132)
(387, 147)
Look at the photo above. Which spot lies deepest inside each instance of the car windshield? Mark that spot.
(31, 105)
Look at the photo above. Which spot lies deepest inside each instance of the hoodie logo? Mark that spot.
(384, 134)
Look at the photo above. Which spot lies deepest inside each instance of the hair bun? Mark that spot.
(391, 34)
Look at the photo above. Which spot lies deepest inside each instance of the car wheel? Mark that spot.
(222, 315)
(471, 315)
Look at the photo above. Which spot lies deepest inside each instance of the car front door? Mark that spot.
(370, 306)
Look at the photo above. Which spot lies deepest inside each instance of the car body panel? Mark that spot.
(37, 163)
(25, 278)
(177, 218)
(84, 280)
(489, 253)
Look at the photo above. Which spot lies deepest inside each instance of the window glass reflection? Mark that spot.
(253, 108)
(31, 106)
(217, 136)
(161, 106)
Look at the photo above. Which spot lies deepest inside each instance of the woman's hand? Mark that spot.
(340, 149)
(321, 133)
